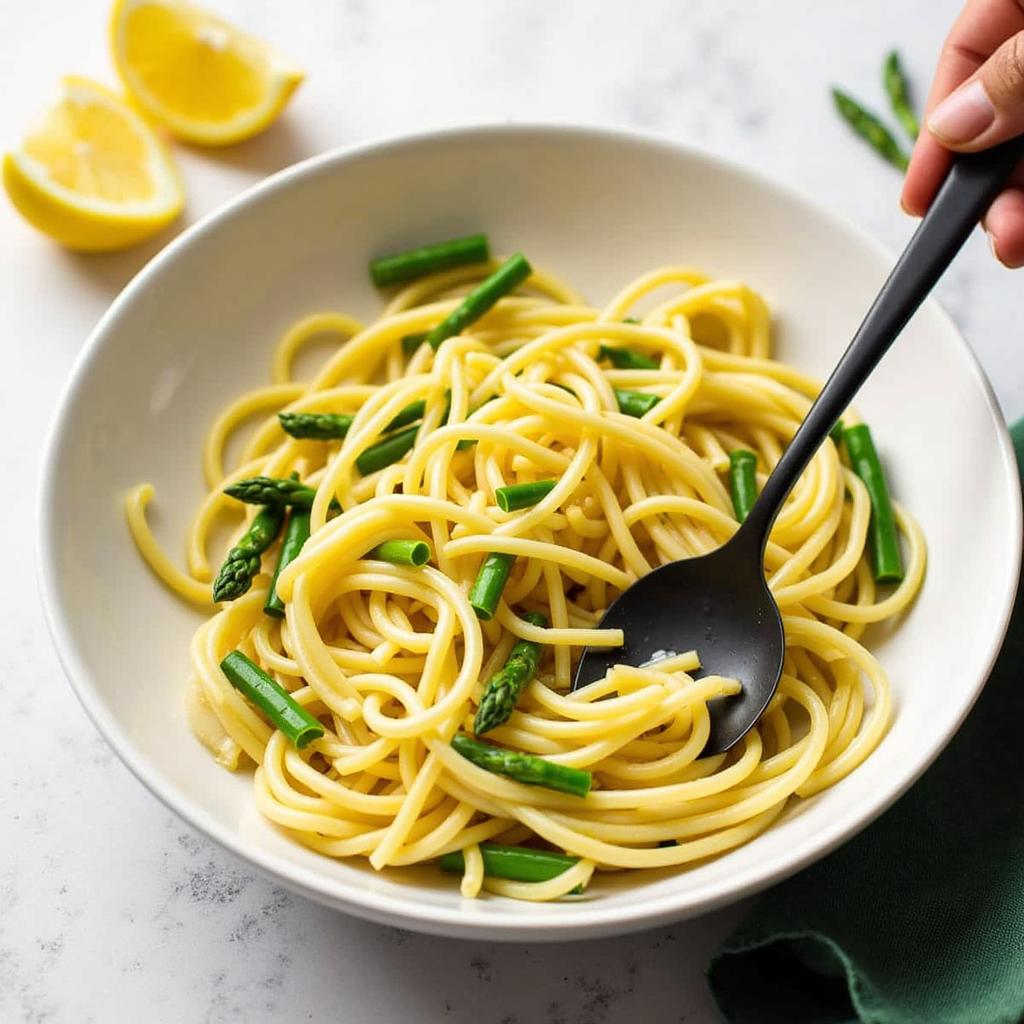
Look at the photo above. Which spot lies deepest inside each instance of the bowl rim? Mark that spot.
(579, 920)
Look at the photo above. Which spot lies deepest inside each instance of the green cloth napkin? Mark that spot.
(920, 918)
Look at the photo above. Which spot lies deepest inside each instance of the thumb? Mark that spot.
(989, 107)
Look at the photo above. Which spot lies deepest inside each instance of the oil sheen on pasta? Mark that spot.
(392, 658)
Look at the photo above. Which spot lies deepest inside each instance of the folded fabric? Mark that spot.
(920, 918)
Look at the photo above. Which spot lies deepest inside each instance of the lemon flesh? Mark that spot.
(201, 77)
(91, 173)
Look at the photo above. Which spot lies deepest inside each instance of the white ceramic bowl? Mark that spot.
(197, 326)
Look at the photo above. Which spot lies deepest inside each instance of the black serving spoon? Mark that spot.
(719, 604)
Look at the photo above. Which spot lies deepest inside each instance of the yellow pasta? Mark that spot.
(392, 659)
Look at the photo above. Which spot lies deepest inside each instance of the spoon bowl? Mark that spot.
(712, 605)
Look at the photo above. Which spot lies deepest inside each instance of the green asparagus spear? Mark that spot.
(525, 768)
(870, 129)
(742, 481)
(243, 560)
(635, 403)
(410, 414)
(329, 426)
(898, 89)
(272, 699)
(296, 533)
(411, 342)
(407, 266)
(268, 490)
(836, 433)
(883, 538)
(402, 552)
(517, 496)
(386, 451)
(490, 581)
(627, 358)
(512, 273)
(517, 863)
(503, 688)
(317, 426)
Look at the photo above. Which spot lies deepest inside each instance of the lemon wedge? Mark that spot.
(201, 77)
(92, 173)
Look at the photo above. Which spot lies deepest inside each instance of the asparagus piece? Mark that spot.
(513, 272)
(243, 560)
(296, 534)
(410, 414)
(407, 266)
(272, 699)
(525, 768)
(402, 552)
(505, 686)
(386, 451)
(489, 583)
(635, 403)
(870, 129)
(411, 342)
(627, 358)
(742, 481)
(516, 863)
(329, 426)
(517, 496)
(883, 538)
(317, 426)
(269, 490)
(898, 89)
(836, 433)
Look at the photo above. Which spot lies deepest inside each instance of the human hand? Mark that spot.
(976, 101)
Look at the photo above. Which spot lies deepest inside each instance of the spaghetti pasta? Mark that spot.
(391, 658)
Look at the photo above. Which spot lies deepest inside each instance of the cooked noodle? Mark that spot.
(392, 659)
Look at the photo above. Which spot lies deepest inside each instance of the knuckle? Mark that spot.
(1010, 66)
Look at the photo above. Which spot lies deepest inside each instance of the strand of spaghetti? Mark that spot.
(629, 728)
(900, 597)
(360, 356)
(273, 397)
(816, 637)
(527, 548)
(562, 337)
(135, 507)
(306, 329)
(617, 856)
(370, 422)
(434, 842)
(638, 289)
(841, 564)
(215, 502)
(638, 433)
(578, 876)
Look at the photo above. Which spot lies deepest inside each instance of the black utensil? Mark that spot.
(720, 604)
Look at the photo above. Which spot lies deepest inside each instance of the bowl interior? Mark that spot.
(198, 325)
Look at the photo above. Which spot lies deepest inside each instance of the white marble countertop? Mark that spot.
(112, 909)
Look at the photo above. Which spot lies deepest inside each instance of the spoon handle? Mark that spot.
(969, 188)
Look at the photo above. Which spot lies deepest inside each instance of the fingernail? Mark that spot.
(992, 244)
(964, 114)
